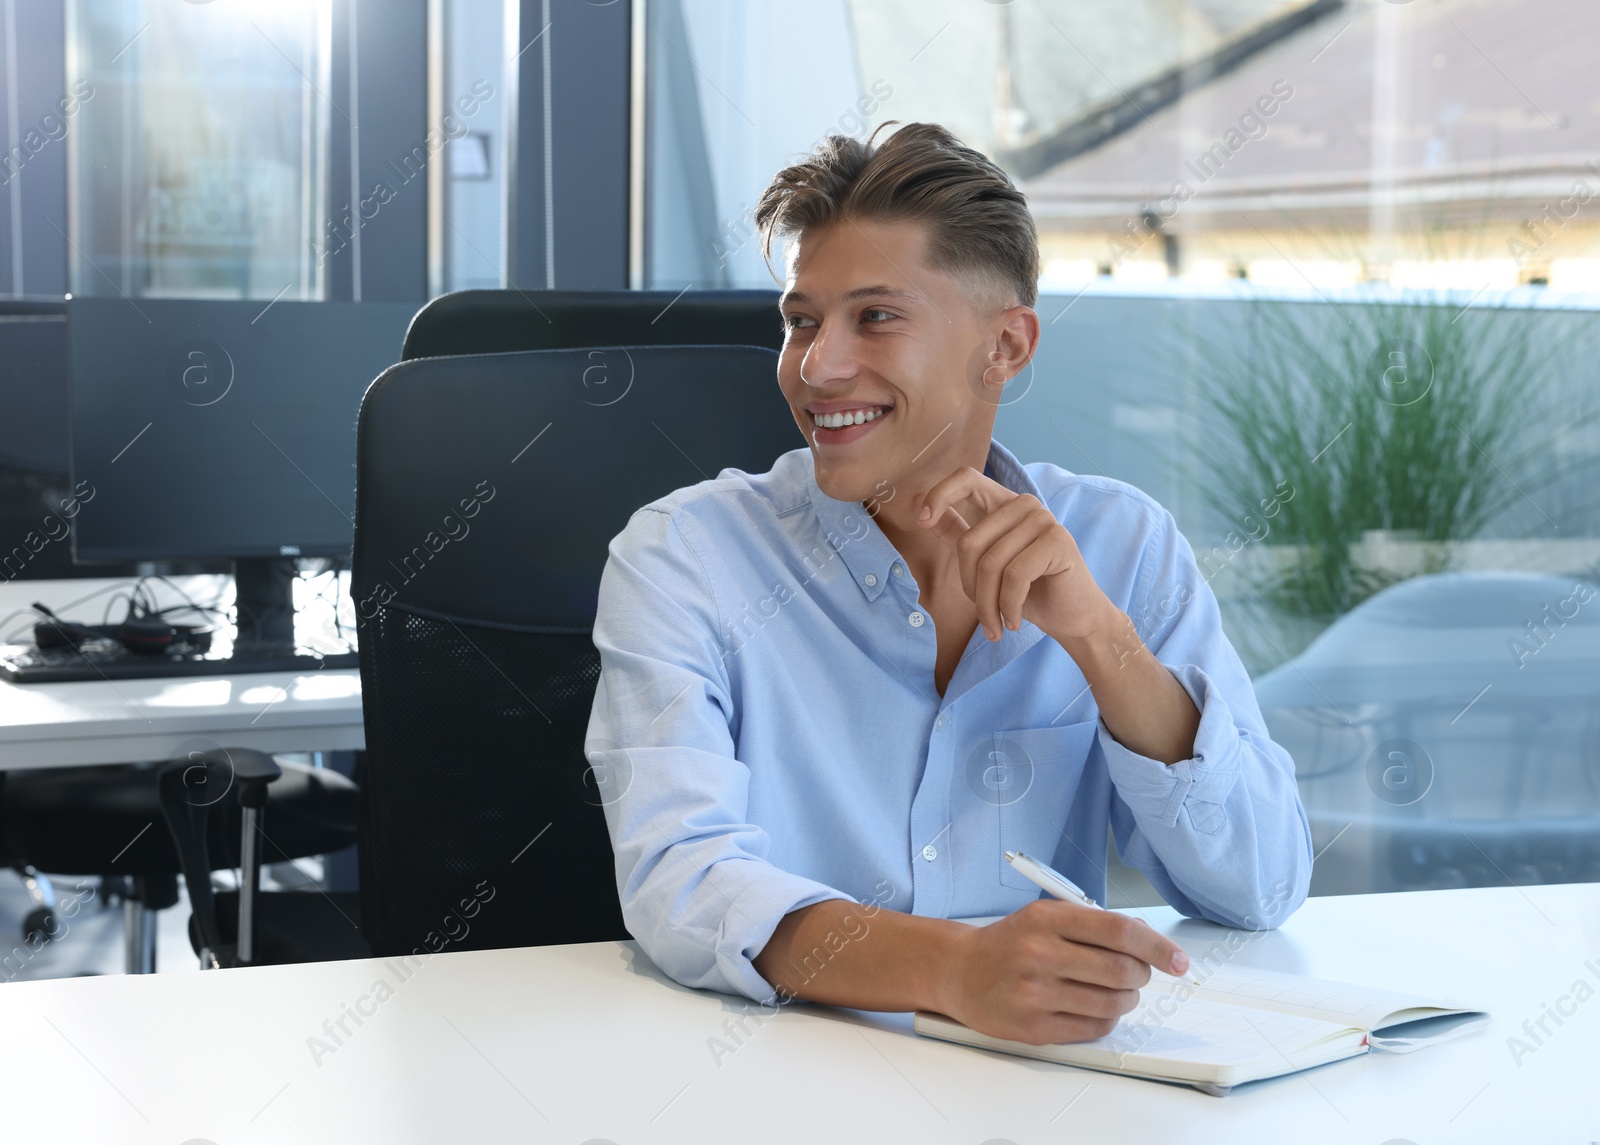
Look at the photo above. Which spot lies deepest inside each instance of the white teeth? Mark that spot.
(852, 417)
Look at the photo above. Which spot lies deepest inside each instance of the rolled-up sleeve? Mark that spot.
(697, 890)
(1222, 835)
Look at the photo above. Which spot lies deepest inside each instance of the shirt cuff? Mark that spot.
(748, 924)
(1158, 792)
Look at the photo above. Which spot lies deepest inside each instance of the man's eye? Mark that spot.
(883, 315)
(794, 321)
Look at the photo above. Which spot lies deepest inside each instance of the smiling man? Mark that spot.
(956, 655)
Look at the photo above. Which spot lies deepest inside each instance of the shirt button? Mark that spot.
(871, 579)
(930, 852)
(916, 619)
(938, 724)
(897, 570)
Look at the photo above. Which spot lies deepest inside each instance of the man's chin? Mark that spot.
(854, 482)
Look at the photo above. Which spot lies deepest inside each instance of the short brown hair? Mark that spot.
(977, 221)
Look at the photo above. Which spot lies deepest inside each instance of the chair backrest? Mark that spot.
(503, 321)
(488, 488)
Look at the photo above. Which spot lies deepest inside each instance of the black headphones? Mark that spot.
(140, 631)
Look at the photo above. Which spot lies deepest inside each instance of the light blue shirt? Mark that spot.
(767, 734)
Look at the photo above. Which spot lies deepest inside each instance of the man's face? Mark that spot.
(871, 329)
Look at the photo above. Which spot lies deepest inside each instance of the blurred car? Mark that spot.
(1446, 733)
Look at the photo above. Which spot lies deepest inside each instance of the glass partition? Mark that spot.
(200, 165)
(1321, 278)
(475, 93)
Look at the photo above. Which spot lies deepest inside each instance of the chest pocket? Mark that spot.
(1029, 777)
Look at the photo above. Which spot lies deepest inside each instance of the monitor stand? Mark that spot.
(264, 596)
(264, 600)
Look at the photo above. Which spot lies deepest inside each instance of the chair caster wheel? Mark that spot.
(41, 921)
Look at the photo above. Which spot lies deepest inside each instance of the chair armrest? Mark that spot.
(193, 790)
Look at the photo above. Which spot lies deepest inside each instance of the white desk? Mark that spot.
(590, 1043)
(130, 721)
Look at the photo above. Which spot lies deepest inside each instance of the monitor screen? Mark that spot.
(220, 429)
(33, 386)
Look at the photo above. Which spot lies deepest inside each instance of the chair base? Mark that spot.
(143, 898)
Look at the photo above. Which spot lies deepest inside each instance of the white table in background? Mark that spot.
(590, 1043)
(131, 721)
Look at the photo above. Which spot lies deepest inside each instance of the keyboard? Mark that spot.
(108, 660)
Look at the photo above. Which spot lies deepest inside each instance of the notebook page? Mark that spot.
(1364, 1007)
(1214, 1033)
(1197, 1041)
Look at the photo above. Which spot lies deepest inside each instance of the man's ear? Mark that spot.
(1016, 339)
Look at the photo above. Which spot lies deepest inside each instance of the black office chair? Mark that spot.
(190, 793)
(478, 664)
(504, 321)
(108, 821)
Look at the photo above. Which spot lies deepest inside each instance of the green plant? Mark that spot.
(1394, 415)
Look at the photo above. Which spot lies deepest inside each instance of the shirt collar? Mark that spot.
(866, 552)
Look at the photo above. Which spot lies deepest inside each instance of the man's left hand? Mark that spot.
(1017, 561)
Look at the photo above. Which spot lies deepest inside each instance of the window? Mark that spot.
(200, 166)
(1320, 277)
(476, 94)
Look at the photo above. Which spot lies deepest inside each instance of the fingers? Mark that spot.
(1055, 971)
(1123, 937)
(950, 526)
(1107, 969)
(964, 484)
(1119, 949)
(987, 557)
(1004, 573)
(1026, 567)
(1069, 1012)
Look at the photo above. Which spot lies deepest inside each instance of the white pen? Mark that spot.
(1052, 881)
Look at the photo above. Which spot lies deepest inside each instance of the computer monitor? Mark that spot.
(222, 429)
(33, 385)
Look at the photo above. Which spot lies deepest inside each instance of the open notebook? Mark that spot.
(1240, 1025)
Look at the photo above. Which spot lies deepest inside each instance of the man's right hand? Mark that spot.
(1055, 971)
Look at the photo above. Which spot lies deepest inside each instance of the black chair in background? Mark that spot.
(258, 929)
(503, 321)
(108, 821)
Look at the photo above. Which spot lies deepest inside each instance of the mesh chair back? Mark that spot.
(503, 321)
(488, 489)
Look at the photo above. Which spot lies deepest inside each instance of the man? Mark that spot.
(864, 675)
